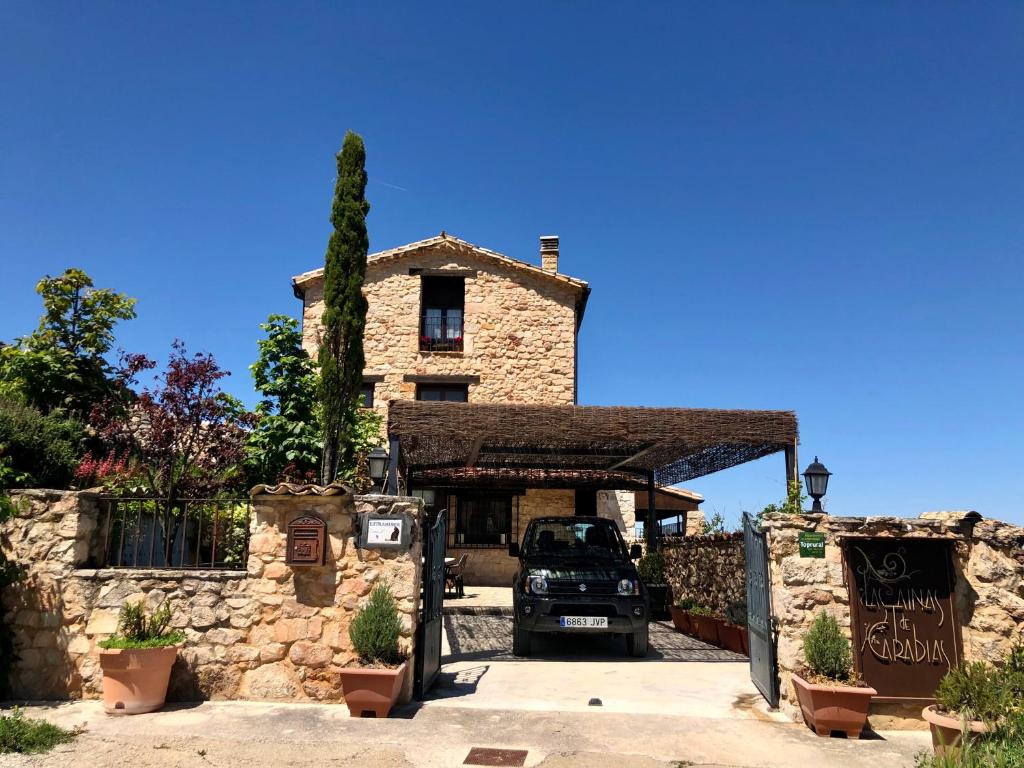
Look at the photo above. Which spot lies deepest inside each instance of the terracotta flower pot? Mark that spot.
(828, 708)
(949, 731)
(707, 628)
(372, 690)
(681, 620)
(745, 640)
(135, 679)
(731, 637)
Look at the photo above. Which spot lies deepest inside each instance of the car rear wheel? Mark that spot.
(636, 643)
(520, 641)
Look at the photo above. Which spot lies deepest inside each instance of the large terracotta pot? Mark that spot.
(707, 628)
(135, 679)
(731, 637)
(681, 620)
(948, 731)
(372, 690)
(828, 708)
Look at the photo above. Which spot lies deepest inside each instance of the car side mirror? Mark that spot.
(513, 549)
(636, 552)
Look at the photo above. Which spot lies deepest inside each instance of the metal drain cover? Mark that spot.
(488, 756)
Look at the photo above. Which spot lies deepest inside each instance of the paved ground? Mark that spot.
(477, 597)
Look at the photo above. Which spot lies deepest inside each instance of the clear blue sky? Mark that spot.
(812, 206)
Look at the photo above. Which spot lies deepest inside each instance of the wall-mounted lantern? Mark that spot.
(816, 478)
(377, 466)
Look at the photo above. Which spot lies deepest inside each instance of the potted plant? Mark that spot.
(651, 568)
(681, 615)
(972, 698)
(137, 661)
(733, 630)
(374, 686)
(831, 697)
(705, 624)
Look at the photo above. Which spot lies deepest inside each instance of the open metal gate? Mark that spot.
(428, 634)
(763, 663)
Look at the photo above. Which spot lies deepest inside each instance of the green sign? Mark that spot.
(812, 544)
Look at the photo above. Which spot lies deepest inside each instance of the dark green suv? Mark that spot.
(576, 575)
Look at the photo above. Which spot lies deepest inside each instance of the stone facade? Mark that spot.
(269, 632)
(710, 569)
(988, 561)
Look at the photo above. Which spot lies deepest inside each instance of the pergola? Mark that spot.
(572, 446)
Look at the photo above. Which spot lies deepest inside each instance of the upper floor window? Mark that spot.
(366, 392)
(452, 393)
(442, 303)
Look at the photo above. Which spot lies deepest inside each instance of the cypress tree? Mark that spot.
(341, 348)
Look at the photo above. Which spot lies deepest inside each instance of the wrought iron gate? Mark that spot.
(428, 634)
(763, 663)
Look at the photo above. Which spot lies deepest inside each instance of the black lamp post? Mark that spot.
(816, 478)
(377, 464)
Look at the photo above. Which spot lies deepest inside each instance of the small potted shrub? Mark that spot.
(375, 686)
(970, 700)
(733, 630)
(831, 697)
(705, 624)
(651, 568)
(137, 661)
(681, 614)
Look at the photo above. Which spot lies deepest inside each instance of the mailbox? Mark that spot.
(307, 537)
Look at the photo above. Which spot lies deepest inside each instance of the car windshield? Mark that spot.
(573, 538)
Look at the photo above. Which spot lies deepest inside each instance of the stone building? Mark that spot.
(451, 321)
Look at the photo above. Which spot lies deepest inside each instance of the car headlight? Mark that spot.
(538, 585)
(628, 587)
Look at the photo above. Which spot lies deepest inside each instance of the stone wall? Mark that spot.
(988, 560)
(269, 632)
(710, 569)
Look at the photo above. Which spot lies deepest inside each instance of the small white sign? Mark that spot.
(384, 531)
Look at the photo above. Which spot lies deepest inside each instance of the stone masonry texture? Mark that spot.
(710, 569)
(269, 632)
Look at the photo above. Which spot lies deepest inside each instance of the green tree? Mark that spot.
(287, 442)
(61, 364)
(341, 347)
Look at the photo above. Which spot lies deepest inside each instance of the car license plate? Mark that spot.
(584, 622)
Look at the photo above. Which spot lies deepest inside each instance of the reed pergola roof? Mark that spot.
(572, 446)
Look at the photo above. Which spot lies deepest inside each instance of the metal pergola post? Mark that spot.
(651, 525)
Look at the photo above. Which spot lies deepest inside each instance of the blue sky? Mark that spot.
(812, 206)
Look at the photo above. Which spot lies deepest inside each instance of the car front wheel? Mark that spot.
(636, 643)
(520, 640)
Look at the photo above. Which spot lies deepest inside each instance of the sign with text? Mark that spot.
(385, 532)
(812, 544)
(905, 630)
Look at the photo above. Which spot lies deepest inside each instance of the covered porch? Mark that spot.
(494, 467)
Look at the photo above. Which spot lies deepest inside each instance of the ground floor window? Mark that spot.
(483, 520)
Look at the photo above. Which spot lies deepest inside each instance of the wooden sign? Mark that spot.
(905, 630)
(812, 544)
(306, 538)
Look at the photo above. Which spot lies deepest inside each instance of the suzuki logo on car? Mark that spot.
(583, 587)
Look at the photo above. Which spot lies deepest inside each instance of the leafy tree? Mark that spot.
(61, 364)
(341, 346)
(37, 449)
(793, 505)
(184, 437)
(9, 574)
(716, 524)
(286, 443)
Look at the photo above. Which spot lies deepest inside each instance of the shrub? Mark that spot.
(376, 628)
(826, 649)
(651, 568)
(135, 630)
(1001, 748)
(701, 610)
(685, 603)
(736, 613)
(28, 736)
(1012, 674)
(973, 690)
(36, 449)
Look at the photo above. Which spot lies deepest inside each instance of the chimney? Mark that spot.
(549, 253)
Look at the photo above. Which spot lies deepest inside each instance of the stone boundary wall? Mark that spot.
(268, 632)
(711, 569)
(988, 560)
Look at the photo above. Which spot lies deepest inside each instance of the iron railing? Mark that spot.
(143, 532)
(441, 334)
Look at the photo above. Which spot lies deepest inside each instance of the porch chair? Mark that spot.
(453, 576)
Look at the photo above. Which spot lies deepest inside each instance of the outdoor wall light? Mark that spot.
(816, 478)
(377, 464)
